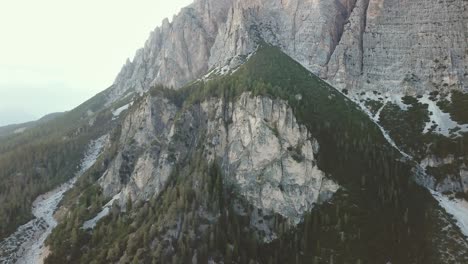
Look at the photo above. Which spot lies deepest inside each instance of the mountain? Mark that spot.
(257, 151)
(402, 47)
(20, 128)
(289, 131)
(380, 53)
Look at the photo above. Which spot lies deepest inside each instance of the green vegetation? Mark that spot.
(458, 107)
(143, 235)
(373, 105)
(380, 215)
(406, 127)
(43, 157)
(440, 173)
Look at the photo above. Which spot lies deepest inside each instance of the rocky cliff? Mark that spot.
(384, 45)
(403, 46)
(263, 151)
(177, 52)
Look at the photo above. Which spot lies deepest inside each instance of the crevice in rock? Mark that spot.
(361, 36)
(340, 32)
(294, 27)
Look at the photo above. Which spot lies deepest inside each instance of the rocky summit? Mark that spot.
(384, 45)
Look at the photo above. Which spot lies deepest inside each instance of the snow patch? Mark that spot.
(26, 245)
(90, 224)
(20, 130)
(443, 120)
(218, 71)
(120, 110)
(396, 99)
(455, 207)
(360, 103)
(231, 66)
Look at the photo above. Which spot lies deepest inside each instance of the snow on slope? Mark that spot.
(455, 207)
(119, 110)
(20, 130)
(443, 120)
(375, 119)
(90, 224)
(26, 245)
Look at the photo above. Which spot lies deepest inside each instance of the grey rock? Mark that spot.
(175, 53)
(308, 31)
(263, 151)
(143, 163)
(407, 46)
(464, 179)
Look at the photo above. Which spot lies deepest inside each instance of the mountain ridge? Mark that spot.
(335, 40)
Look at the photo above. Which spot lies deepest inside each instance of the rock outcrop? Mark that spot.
(263, 152)
(142, 165)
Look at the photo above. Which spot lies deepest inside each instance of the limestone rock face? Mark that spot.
(406, 46)
(403, 46)
(269, 156)
(175, 53)
(210, 34)
(142, 165)
(306, 30)
(263, 152)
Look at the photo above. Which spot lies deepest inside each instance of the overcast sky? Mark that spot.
(55, 54)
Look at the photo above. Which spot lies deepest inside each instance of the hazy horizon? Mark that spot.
(56, 54)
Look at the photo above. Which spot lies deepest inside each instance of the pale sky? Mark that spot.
(55, 54)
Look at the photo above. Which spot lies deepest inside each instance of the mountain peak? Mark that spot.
(350, 43)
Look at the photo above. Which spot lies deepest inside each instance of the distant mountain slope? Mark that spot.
(20, 128)
(46, 153)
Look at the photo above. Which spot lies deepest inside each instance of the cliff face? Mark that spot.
(403, 46)
(175, 53)
(308, 31)
(396, 46)
(264, 152)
